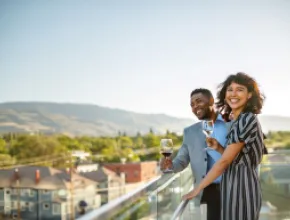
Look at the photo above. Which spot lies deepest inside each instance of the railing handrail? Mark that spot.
(102, 212)
(178, 212)
(116, 202)
(180, 208)
(284, 152)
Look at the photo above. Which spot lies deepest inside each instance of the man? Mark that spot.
(193, 149)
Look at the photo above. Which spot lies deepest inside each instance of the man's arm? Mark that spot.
(181, 161)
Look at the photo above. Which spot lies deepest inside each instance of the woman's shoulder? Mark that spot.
(248, 115)
(246, 118)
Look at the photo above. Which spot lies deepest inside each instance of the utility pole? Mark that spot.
(16, 174)
(72, 216)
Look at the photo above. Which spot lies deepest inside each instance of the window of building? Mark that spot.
(56, 209)
(45, 206)
(23, 192)
(14, 191)
(23, 206)
(13, 204)
(31, 193)
(31, 206)
(45, 191)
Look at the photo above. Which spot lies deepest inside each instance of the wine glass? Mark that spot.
(207, 127)
(166, 150)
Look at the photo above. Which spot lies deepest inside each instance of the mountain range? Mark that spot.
(94, 120)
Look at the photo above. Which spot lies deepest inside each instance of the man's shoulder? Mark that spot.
(192, 127)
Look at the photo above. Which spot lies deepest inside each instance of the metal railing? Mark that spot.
(179, 211)
(275, 182)
(156, 200)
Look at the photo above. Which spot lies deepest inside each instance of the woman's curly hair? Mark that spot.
(254, 104)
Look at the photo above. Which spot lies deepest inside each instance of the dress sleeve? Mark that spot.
(246, 131)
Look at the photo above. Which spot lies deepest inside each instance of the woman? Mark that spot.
(238, 96)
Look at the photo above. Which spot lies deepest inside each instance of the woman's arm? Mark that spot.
(227, 158)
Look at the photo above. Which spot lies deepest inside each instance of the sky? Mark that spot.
(142, 56)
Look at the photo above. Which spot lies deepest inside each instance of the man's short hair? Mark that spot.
(203, 91)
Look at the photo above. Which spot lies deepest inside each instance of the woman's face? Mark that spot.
(237, 96)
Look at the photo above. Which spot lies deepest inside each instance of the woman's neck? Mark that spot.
(236, 113)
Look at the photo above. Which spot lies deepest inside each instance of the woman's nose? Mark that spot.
(233, 93)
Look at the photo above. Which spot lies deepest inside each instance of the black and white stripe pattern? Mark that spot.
(241, 192)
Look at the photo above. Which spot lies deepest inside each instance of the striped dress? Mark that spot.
(240, 186)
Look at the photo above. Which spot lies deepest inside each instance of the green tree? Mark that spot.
(73, 143)
(150, 140)
(138, 142)
(128, 153)
(110, 154)
(39, 149)
(6, 160)
(99, 144)
(3, 147)
(124, 142)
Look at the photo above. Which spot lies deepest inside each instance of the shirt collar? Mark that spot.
(220, 117)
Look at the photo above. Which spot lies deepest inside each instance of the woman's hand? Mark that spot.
(214, 144)
(193, 193)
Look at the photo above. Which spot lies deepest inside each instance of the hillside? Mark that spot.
(81, 119)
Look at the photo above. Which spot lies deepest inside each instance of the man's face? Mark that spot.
(201, 106)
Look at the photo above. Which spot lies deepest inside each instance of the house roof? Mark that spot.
(49, 178)
(101, 175)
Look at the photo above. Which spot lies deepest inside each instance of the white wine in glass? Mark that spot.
(207, 127)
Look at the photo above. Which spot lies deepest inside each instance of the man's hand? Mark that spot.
(165, 163)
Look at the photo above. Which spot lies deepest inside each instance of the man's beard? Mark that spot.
(207, 115)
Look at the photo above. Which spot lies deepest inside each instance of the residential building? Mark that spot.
(135, 171)
(85, 166)
(109, 185)
(38, 192)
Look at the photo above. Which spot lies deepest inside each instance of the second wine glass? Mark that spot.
(207, 127)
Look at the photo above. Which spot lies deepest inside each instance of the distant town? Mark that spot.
(61, 177)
